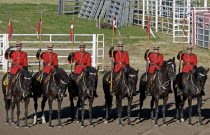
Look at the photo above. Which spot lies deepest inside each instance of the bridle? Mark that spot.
(128, 87)
(84, 82)
(19, 82)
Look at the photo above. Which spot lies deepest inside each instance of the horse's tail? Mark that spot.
(106, 88)
(8, 102)
(142, 86)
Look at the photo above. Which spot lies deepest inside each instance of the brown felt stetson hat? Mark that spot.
(156, 48)
(120, 44)
(50, 46)
(82, 45)
(189, 48)
(18, 44)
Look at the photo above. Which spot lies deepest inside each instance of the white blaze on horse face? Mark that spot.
(202, 74)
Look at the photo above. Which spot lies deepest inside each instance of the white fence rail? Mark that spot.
(94, 42)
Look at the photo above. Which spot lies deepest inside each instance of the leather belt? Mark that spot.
(120, 63)
(17, 64)
(187, 64)
(48, 64)
(154, 64)
(81, 63)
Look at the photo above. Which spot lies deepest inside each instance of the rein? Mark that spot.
(164, 85)
(20, 83)
(127, 86)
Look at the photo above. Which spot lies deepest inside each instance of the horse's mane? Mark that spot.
(90, 69)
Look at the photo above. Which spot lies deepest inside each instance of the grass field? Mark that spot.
(25, 17)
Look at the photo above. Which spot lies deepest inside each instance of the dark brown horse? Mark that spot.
(194, 83)
(125, 86)
(54, 88)
(159, 88)
(21, 90)
(84, 89)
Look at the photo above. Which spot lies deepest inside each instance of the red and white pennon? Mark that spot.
(38, 28)
(10, 31)
(114, 24)
(71, 31)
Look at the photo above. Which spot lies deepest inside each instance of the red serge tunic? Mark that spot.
(121, 59)
(190, 60)
(156, 61)
(19, 60)
(82, 59)
(50, 61)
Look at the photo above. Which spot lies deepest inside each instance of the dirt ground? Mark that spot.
(145, 127)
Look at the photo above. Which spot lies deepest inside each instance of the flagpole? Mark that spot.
(72, 44)
(148, 40)
(181, 45)
(112, 61)
(40, 39)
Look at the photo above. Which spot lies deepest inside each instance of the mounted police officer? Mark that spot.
(155, 60)
(189, 61)
(19, 61)
(121, 58)
(82, 59)
(50, 60)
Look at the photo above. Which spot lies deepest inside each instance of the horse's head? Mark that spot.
(170, 69)
(131, 76)
(25, 80)
(91, 77)
(61, 79)
(201, 75)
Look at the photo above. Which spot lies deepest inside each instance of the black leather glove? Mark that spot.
(179, 55)
(146, 54)
(110, 50)
(7, 53)
(38, 53)
(56, 67)
(25, 67)
(71, 55)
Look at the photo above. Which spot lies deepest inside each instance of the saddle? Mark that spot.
(108, 79)
(79, 78)
(46, 80)
(184, 81)
(150, 80)
(14, 79)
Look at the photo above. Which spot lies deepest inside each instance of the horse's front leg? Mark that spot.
(156, 110)
(18, 113)
(82, 112)
(151, 108)
(119, 109)
(27, 100)
(7, 106)
(50, 101)
(72, 107)
(35, 108)
(12, 112)
(77, 110)
(90, 111)
(199, 100)
(130, 99)
(59, 112)
(164, 109)
(190, 109)
(43, 106)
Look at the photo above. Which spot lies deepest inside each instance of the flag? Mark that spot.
(183, 21)
(10, 31)
(148, 27)
(71, 31)
(38, 28)
(114, 24)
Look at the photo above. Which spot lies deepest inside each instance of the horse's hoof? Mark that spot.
(156, 125)
(130, 125)
(49, 126)
(17, 127)
(105, 122)
(190, 125)
(26, 126)
(182, 120)
(120, 125)
(138, 120)
(92, 126)
(77, 121)
(43, 120)
(60, 126)
(177, 121)
(152, 120)
(165, 125)
(82, 126)
(13, 123)
(7, 123)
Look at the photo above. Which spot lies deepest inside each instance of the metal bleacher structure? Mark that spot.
(69, 6)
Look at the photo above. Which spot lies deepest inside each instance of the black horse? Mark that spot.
(83, 89)
(124, 86)
(21, 89)
(194, 83)
(54, 88)
(159, 88)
